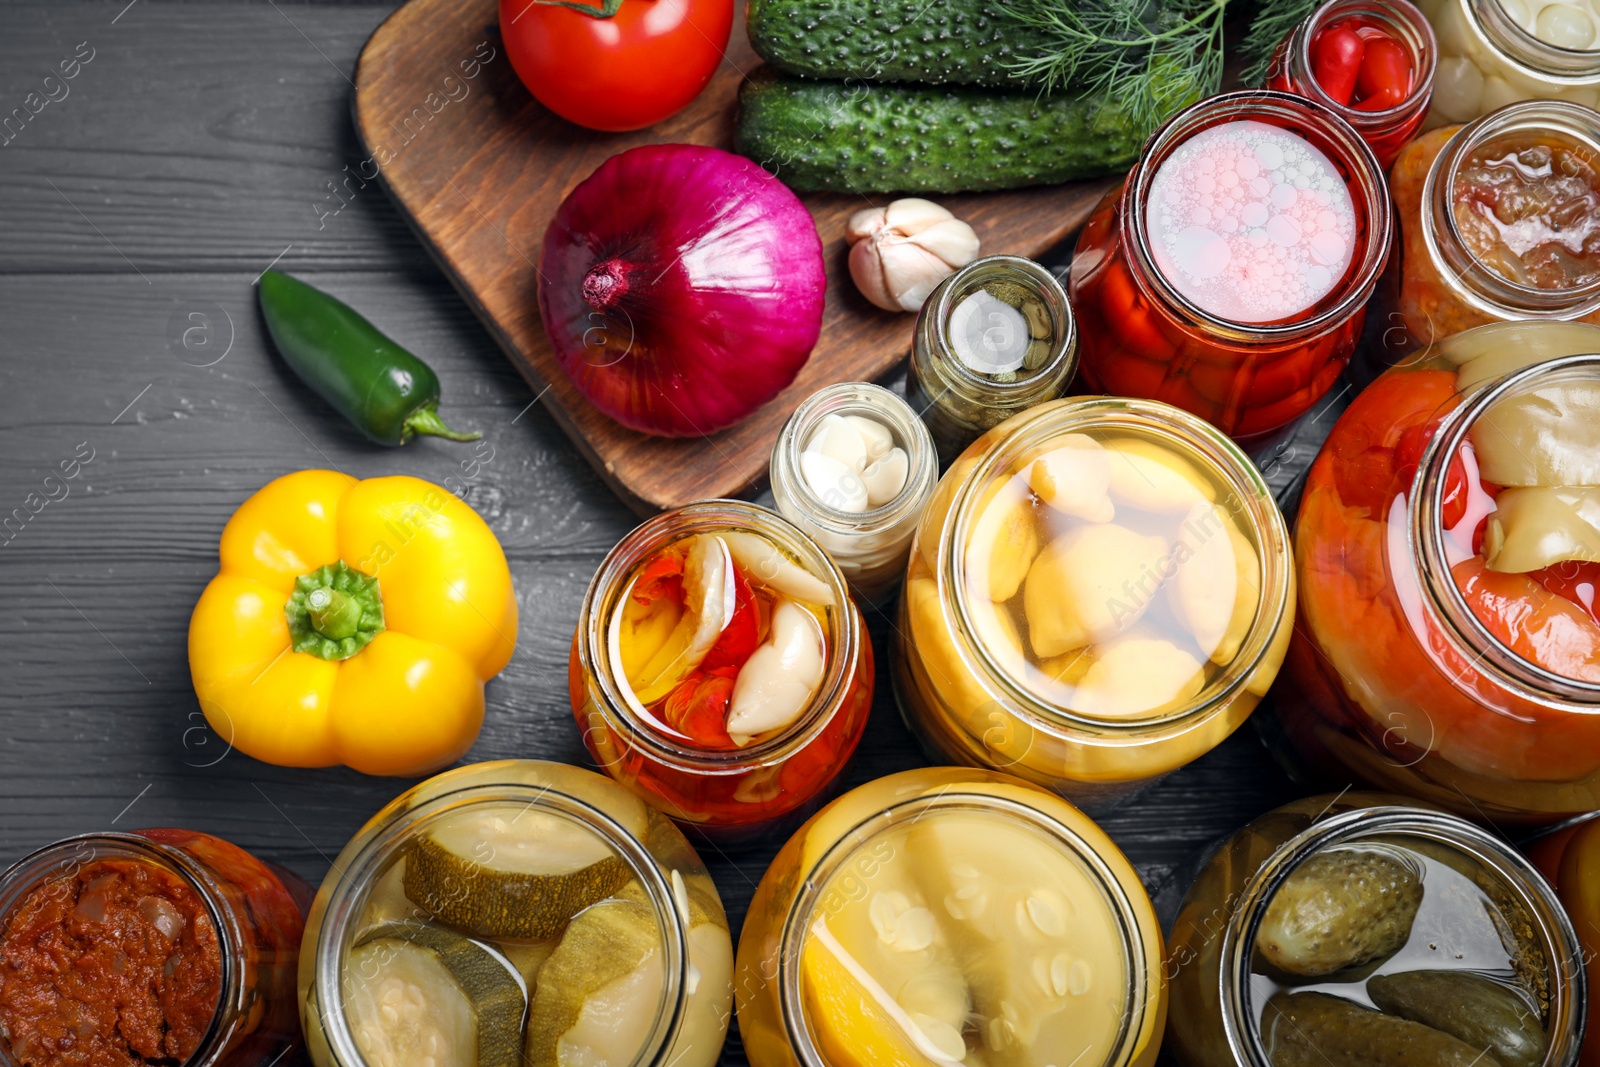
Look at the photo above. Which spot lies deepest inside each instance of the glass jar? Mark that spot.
(1144, 338)
(223, 998)
(428, 935)
(1144, 559)
(942, 915)
(1487, 60)
(972, 366)
(870, 546)
(1570, 859)
(1436, 653)
(1386, 131)
(1442, 915)
(730, 794)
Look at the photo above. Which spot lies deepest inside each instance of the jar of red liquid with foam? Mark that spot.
(1229, 273)
(721, 671)
(1370, 61)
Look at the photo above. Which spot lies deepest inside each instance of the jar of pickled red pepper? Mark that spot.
(516, 914)
(159, 946)
(1497, 52)
(1447, 645)
(1494, 226)
(1229, 274)
(1100, 591)
(944, 916)
(721, 671)
(1361, 931)
(1370, 62)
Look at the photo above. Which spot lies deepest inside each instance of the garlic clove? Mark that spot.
(911, 273)
(835, 484)
(912, 215)
(885, 478)
(778, 680)
(900, 253)
(876, 435)
(868, 272)
(865, 223)
(839, 439)
(952, 241)
(767, 565)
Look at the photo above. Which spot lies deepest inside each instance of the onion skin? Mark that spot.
(682, 288)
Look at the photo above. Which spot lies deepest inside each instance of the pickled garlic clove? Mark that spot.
(710, 594)
(1488, 352)
(1089, 585)
(1565, 26)
(1537, 527)
(874, 434)
(779, 679)
(1549, 435)
(836, 484)
(1003, 545)
(1074, 478)
(841, 441)
(1138, 674)
(764, 563)
(886, 476)
(1218, 583)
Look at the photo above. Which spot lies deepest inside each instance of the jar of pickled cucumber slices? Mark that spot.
(516, 914)
(721, 671)
(1448, 545)
(1358, 930)
(1100, 591)
(947, 916)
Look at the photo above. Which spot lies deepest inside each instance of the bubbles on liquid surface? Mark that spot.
(1250, 222)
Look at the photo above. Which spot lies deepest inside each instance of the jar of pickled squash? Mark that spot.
(1100, 591)
(516, 914)
(156, 946)
(1359, 931)
(1447, 646)
(1497, 52)
(1230, 272)
(1493, 226)
(946, 916)
(721, 671)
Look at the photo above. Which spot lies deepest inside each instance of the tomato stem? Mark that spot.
(605, 10)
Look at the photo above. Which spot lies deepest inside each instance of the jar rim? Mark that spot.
(1521, 48)
(1415, 33)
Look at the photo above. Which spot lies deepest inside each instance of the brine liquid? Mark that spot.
(1250, 222)
(1528, 207)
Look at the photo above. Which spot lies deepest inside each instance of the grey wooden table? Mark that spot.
(196, 144)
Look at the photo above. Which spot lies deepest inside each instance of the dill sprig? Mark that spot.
(1271, 23)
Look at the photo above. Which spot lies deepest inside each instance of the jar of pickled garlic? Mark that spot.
(996, 337)
(516, 914)
(1447, 646)
(721, 671)
(1496, 225)
(854, 467)
(947, 916)
(1496, 52)
(1100, 591)
(1359, 931)
(1370, 62)
(156, 946)
(1229, 274)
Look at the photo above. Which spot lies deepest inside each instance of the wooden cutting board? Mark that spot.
(479, 168)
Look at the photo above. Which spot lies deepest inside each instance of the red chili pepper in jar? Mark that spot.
(1336, 57)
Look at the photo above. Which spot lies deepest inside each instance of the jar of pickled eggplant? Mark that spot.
(1497, 52)
(854, 467)
(516, 914)
(948, 916)
(721, 671)
(996, 337)
(1448, 646)
(1100, 591)
(1359, 931)
(157, 946)
(1494, 226)
(1229, 274)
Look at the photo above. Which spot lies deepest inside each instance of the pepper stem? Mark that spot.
(333, 612)
(334, 615)
(426, 421)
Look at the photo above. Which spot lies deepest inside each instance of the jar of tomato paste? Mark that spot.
(1496, 52)
(1370, 62)
(1449, 552)
(1229, 273)
(720, 669)
(157, 946)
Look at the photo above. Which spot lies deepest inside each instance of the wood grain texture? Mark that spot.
(484, 191)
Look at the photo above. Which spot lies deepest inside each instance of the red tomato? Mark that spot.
(625, 72)
(1574, 580)
(1336, 59)
(1384, 80)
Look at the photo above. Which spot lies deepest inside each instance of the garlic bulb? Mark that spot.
(899, 253)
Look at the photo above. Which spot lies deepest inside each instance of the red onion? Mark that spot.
(681, 287)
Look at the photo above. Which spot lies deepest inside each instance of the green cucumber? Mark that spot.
(858, 138)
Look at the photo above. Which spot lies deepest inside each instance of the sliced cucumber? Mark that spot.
(415, 993)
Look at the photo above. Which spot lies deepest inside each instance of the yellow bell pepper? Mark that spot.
(352, 622)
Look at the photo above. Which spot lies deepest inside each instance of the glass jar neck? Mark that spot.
(610, 586)
(1329, 134)
(1521, 47)
(1403, 23)
(1553, 931)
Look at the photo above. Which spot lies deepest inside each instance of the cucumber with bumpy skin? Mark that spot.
(856, 138)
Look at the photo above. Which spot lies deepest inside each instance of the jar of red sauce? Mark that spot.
(162, 946)
(1370, 62)
(1447, 645)
(1235, 292)
(721, 671)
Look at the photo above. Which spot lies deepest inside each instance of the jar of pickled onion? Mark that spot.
(1229, 274)
(1100, 591)
(1448, 546)
(1497, 52)
(1370, 62)
(949, 915)
(721, 671)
